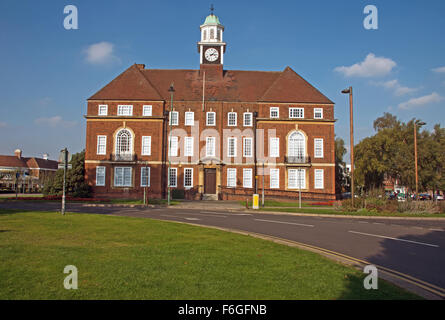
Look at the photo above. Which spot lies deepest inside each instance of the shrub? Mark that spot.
(418, 207)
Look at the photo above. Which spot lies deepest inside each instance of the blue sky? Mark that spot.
(47, 72)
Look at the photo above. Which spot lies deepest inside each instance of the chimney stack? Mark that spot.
(45, 156)
(18, 153)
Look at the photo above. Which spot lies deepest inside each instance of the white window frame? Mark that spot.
(146, 146)
(147, 110)
(296, 113)
(100, 111)
(300, 175)
(124, 171)
(247, 178)
(125, 110)
(231, 177)
(318, 179)
(173, 146)
(229, 154)
(214, 119)
(274, 147)
(188, 146)
(189, 118)
(250, 117)
(318, 111)
(211, 152)
(274, 178)
(245, 154)
(318, 148)
(191, 178)
(100, 174)
(175, 120)
(175, 175)
(234, 119)
(101, 145)
(273, 109)
(145, 181)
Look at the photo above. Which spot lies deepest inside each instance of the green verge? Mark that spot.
(365, 213)
(135, 258)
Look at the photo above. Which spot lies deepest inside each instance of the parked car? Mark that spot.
(346, 195)
(438, 197)
(424, 197)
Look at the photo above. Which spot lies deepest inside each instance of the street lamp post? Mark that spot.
(171, 90)
(351, 134)
(419, 124)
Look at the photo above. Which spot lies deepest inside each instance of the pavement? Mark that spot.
(408, 252)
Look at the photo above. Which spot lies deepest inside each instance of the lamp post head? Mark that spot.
(172, 88)
(346, 91)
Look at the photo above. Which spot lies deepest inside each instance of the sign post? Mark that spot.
(64, 159)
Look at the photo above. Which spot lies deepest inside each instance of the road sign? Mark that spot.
(62, 157)
(61, 166)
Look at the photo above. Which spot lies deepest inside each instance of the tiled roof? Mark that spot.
(15, 162)
(137, 83)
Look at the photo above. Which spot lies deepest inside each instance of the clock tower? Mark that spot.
(211, 47)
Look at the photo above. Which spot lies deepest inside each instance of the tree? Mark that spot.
(390, 152)
(76, 185)
(388, 121)
(342, 181)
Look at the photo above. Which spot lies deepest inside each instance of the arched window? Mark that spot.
(124, 142)
(296, 147)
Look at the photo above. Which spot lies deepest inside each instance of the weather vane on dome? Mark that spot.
(212, 8)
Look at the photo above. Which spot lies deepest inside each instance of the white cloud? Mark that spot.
(394, 85)
(421, 101)
(372, 66)
(55, 121)
(100, 53)
(439, 70)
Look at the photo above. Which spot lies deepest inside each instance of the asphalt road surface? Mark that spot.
(415, 248)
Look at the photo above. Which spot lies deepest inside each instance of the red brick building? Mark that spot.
(33, 172)
(221, 129)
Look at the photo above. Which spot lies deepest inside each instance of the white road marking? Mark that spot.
(292, 223)
(363, 222)
(397, 239)
(193, 219)
(437, 229)
(170, 216)
(212, 212)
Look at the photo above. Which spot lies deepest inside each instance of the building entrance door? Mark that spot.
(210, 181)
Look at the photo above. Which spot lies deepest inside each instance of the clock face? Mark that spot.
(211, 54)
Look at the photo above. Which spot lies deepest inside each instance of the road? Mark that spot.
(415, 248)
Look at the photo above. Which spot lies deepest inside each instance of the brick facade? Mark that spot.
(210, 89)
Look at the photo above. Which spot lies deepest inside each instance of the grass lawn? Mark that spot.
(358, 213)
(135, 258)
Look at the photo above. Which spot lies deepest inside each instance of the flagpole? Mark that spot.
(203, 90)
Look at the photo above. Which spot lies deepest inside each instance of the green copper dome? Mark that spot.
(212, 19)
